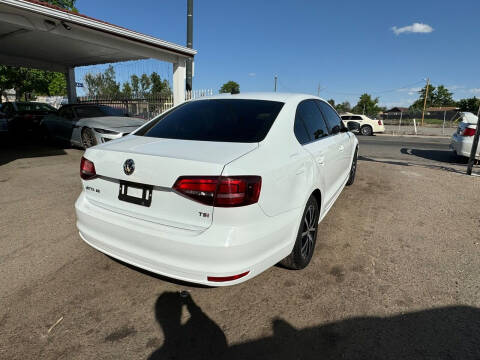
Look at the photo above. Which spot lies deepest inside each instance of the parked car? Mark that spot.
(87, 125)
(218, 189)
(367, 126)
(462, 139)
(24, 117)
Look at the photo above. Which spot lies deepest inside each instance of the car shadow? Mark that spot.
(409, 164)
(446, 156)
(441, 333)
(13, 148)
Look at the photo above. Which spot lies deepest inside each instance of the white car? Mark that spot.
(367, 126)
(462, 139)
(219, 189)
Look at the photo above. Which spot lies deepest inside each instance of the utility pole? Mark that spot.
(425, 100)
(189, 64)
(275, 88)
(318, 90)
(471, 160)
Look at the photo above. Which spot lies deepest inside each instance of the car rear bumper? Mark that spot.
(188, 255)
(463, 145)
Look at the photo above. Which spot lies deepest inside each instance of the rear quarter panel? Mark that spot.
(287, 170)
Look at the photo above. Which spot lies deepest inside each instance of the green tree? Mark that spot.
(126, 90)
(230, 87)
(437, 96)
(159, 87)
(145, 84)
(331, 102)
(135, 81)
(366, 105)
(65, 4)
(469, 104)
(102, 84)
(57, 85)
(343, 107)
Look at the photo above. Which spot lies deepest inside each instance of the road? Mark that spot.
(394, 275)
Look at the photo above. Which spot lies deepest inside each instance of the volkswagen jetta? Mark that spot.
(217, 190)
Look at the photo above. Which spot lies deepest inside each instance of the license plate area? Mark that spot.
(135, 193)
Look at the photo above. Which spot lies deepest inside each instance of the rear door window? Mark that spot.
(313, 119)
(301, 131)
(222, 120)
(358, 118)
(331, 115)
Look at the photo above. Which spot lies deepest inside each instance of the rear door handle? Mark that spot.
(320, 160)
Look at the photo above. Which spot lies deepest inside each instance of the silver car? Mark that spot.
(87, 125)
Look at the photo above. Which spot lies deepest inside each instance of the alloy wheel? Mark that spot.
(308, 231)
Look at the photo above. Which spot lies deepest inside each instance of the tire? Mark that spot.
(88, 138)
(353, 169)
(366, 130)
(304, 246)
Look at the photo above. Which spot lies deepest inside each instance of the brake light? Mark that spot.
(220, 191)
(87, 169)
(468, 132)
(379, 122)
(226, 278)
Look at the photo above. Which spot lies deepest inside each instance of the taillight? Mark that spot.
(227, 278)
(468, 132)
(87, 169)
(220, 191)
(379, 122)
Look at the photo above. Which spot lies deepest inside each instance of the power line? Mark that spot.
(379, 91)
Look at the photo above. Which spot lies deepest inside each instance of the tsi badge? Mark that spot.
(129, 167)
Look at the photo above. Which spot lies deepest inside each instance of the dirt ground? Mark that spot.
(395, 275)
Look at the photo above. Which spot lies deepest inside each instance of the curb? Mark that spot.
(417, 136)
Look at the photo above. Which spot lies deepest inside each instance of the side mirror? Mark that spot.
(353, 126)
(336, 129)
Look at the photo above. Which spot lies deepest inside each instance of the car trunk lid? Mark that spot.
(158, 163)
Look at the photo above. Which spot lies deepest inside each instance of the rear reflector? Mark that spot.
(87, 169)
(468, 132)
(220, 191)
(226, 278)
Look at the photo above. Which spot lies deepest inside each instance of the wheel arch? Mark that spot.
(318, 196)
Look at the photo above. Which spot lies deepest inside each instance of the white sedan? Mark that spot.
(367, 126)
(462, 139)
(217, 190)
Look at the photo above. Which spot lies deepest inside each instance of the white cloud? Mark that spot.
(252, 74)
(475, 91)
(414, 28)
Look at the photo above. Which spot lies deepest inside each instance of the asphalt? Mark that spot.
(394, 275)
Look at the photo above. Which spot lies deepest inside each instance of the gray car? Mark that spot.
(87, 125)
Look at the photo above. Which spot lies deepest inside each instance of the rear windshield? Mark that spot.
(224, 120)
(34, 107)
(90, 111)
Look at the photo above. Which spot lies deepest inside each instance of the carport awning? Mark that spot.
(37, 35)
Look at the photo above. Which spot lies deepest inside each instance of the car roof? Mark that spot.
(271, 96)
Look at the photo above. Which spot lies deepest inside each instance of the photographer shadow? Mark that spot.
(441, 333)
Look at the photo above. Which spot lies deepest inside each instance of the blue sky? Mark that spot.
(348, 47)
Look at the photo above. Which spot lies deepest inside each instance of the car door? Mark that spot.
(321, 146)
(343, 144)
(65, 123)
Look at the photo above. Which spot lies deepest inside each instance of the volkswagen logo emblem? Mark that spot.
(129, 167)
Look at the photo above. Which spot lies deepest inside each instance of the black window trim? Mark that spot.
(303, 123)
